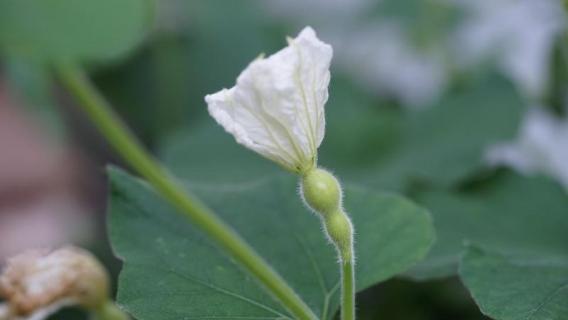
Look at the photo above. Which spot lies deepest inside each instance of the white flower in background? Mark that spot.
(36, 284)
(277, 106)
(518, 33)
(382, 58)
(542, 147)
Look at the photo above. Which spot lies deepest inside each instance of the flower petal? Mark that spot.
(277, 105)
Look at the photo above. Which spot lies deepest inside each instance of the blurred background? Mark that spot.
(391, 58)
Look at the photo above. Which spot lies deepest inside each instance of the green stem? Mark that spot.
(110, 311)
(126, 145)
(348, 290)
(322, 192)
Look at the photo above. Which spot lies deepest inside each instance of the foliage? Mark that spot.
(503, 234)
(506, 214)
(191, 277)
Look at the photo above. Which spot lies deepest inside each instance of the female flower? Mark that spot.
(276, 107)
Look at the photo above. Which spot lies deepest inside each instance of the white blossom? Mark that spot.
(276, 107)
(37, 283)
(540, 148)
(519, 34)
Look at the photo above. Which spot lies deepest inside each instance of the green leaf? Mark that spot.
(508, 288)
(509, 214)
(172, 271)
(73, 29)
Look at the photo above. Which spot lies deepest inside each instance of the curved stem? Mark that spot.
(348, 290)
(134, 154)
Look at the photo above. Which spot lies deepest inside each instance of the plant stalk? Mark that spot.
(125, 144)
(109, 311)
(347, 290)
(322, 192)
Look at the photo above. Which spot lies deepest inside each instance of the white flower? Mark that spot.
(277, 106)
(518, 34)
(541, 146)
(36, 284)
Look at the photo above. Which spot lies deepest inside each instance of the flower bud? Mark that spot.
(321, 191)
(39, 280)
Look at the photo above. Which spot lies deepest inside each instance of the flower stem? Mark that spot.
(110, 311)
(124, 142)
(348, 290)
(322, 192)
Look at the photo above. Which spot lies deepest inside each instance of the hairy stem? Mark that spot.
(125, 144)
(322, 192)
(348, 290)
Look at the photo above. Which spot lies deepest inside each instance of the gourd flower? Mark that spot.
(276, 107)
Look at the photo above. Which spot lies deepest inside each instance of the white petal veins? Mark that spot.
(276, 107)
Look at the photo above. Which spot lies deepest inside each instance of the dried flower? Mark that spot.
(38, 283)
